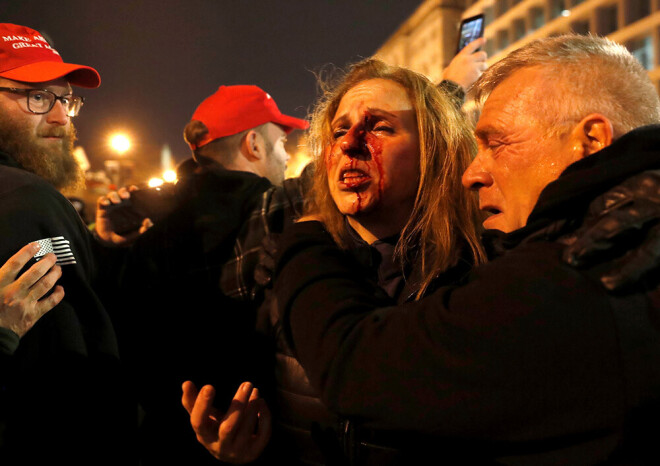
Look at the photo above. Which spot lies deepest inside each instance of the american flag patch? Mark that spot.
(57, 245)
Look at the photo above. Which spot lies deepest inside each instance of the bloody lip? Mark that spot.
(353, 179)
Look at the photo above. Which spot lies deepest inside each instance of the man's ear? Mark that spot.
(253, 146)
(593, 133)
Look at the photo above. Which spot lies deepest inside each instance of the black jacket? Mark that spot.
(64, 387)
(306, 432)
(175, 321)
(530, 362)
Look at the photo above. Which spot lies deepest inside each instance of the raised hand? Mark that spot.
(237, 436)
(116, 223)
(468, 65)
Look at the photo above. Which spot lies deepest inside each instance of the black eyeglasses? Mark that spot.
(41, 101)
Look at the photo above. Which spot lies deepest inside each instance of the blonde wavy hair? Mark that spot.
(445, 217)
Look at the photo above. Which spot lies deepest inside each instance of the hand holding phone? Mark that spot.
(154, 203)
(123, 215)
(468, 65)
(470, 29)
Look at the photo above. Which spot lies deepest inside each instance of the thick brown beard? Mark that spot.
(56, 165)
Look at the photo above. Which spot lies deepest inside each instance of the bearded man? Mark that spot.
(43, 145)
(61, 388)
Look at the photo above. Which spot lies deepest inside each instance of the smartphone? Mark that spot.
(155, 203)
(471, 28)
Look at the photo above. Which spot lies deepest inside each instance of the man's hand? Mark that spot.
(468, 65)
(112, 213)
(631, 207)
(21, 303)
(241, 434)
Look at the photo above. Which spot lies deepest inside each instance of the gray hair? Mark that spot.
(598, 76)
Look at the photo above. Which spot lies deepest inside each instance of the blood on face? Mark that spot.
(372, 158)
(364, 159)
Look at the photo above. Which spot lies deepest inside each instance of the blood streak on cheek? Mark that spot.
(360, 134)
(375, 146)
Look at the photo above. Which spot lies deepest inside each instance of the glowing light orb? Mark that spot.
(155, 182)
(169, 176)
(120, 143)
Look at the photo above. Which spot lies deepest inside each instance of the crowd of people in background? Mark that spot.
(427, 290)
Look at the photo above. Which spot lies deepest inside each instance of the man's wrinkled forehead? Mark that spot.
(523, 92)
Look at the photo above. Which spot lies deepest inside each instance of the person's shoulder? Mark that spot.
(12, 178)
(292, 194)
(23, 190)
(31, 208)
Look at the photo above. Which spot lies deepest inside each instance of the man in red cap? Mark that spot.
(61, 387)
(190, 277)
(241, 128)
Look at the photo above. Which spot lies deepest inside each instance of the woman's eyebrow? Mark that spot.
(343, 119)
(381, 112)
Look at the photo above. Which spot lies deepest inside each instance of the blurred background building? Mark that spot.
(426, 41)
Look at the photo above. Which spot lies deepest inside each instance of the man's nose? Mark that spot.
(57, 114)
(476, 177)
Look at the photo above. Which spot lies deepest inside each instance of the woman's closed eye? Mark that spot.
(338, 132)
(383, 127)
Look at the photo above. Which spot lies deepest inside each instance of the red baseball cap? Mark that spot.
(233, 109)
(26, 56)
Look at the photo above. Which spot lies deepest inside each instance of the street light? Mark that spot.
(169, 176)
(155, 182)
(119, 167)
(120, 143)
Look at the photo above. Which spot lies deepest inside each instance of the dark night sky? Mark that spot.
(158, 59)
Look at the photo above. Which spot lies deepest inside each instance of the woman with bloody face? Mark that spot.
(390, 148)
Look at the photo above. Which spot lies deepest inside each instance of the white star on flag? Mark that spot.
(57, 245)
